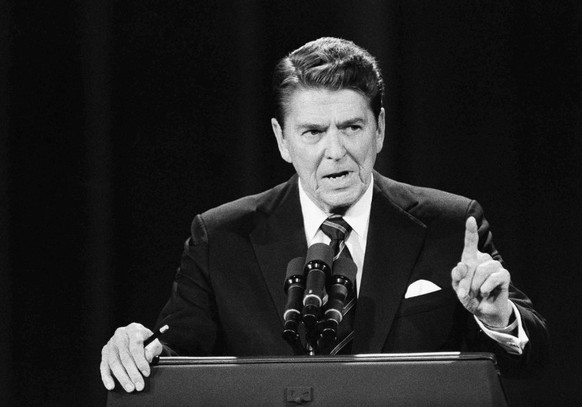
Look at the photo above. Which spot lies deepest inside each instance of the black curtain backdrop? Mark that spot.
(120, 120)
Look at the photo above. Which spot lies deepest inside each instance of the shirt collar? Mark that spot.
(357, 216)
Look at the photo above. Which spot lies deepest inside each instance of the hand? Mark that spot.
(482, 283)
(125, 356)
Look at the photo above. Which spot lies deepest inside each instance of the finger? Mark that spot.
(152, 350)
(458, 273)
(130, 367)
(106, 378)
(462, 276)
(137, 351)
(482, 272)
(470, 249)
(470, 303)
(496, 282)
(118, 370)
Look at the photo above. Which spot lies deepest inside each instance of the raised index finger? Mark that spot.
(470, 250)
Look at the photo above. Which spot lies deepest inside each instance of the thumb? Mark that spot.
(152, 350)
(470, 250)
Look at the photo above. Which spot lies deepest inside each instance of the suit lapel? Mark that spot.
(278, 238)
(394, 242)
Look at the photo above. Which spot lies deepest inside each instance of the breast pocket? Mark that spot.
(427, 302)
(425, 323)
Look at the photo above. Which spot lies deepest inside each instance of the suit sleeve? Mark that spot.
(191, 311)
(535, 352)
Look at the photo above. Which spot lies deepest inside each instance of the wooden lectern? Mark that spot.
(413, 379)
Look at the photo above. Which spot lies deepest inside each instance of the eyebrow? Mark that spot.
(342, 124)
(349, 122)
(310, 126)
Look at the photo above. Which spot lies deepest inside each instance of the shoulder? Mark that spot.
(425, 204)
(243, 213)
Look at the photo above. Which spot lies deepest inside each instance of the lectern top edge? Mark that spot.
(385, 357)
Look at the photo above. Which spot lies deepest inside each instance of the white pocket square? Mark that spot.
(421, 287)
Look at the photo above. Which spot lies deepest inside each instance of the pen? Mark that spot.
(155, 335)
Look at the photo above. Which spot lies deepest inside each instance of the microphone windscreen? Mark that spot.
(320, 252)
(344, 266)
(295, 267)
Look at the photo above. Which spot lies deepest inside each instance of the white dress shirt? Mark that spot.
(358, 217)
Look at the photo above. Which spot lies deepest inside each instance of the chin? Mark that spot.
(341, 203)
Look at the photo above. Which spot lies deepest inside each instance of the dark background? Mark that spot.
(120, 120)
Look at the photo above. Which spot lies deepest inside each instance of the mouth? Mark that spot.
(337, 175)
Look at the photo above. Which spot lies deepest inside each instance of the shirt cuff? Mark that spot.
(513, 344)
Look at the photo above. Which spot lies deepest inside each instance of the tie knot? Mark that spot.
(336, 227)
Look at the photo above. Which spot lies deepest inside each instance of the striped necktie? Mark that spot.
(338, 230)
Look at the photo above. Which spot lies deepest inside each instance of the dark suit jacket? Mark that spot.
(228, 296)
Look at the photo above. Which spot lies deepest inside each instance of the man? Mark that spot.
(429, 277)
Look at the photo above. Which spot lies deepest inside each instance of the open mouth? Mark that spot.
(337, 175)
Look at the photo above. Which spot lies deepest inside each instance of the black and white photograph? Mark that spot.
(283, 203)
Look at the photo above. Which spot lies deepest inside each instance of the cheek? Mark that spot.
(365, 156)
(311, 167)
(305, 164)
(308, 158)
(372, 150)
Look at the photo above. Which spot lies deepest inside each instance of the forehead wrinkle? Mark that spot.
(320, 124)
(354, 120)
(312, 107)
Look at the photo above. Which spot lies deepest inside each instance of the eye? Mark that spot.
(312, 135)
(352, 128)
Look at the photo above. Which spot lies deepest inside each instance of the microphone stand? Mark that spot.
(292, 337)
(307, 277)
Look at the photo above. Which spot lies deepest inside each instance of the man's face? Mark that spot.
(332, 138)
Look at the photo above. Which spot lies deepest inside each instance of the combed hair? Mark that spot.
(330, 63)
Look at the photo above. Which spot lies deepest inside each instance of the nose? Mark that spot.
(334, 149)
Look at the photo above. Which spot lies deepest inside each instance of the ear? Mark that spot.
(281, 141)
(381, 127)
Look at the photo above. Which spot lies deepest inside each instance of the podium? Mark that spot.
(414, 379)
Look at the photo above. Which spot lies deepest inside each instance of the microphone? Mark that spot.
(343, 278)
(317, 268)
(294, 288)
